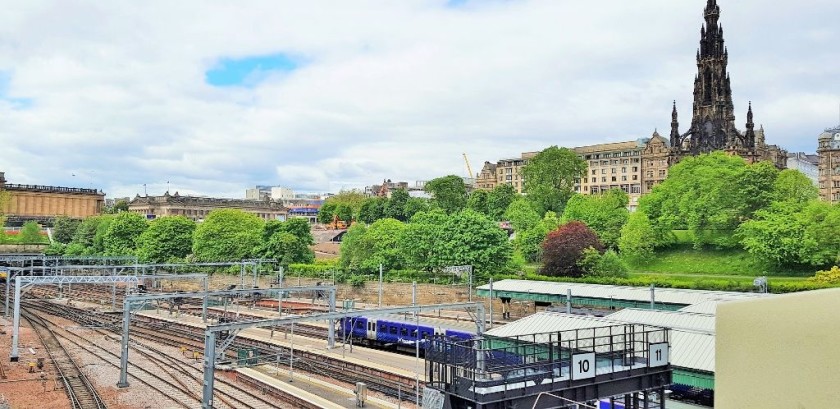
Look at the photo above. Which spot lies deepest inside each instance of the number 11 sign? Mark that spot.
(658, 354)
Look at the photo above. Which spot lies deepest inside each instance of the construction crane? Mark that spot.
(470, 174)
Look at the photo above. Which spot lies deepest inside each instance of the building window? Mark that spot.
(613, 179)
(612, 171)
(649, 174)
(623, 170)
(594, 180)
(635, 177)
(662, 173)
(593, 171)
(624, 178)
(635, 168)
(604, 179)
(603, 171)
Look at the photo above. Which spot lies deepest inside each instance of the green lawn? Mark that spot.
(686, 261)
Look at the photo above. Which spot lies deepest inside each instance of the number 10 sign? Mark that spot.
(583, 366)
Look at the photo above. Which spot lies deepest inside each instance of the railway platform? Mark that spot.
(314, 391)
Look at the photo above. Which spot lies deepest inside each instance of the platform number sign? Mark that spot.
(583, 366)
(658, 354)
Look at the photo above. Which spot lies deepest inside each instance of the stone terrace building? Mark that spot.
(197, 208)
(44, 203)
(828, 149)
(612, 166)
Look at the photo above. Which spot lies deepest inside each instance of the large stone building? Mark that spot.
(612, 166)
(44, 203)
(828, 149)
(713, 119)
(197, 208)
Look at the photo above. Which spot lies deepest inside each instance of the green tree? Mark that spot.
(499, 199)
(86, 233)
(326, 212)
(166, 239)
(794, 185)
(529, 242)
(709, 195)
(479, 201)
(383, 240)
(102, 227)
(288, 242)
(30, 233)
(550, 178)
(416, 205)
(395, 206)
(354, 248)
(64, 228)
(286, 249)
(522, 215)
(595, 264)
(605, 213)
(121, 236)
(346, 204)
(420, 239)
(372, 210)
(471, 238)
(448, 193)
(637, 240)
(227, 235)
(790, 233)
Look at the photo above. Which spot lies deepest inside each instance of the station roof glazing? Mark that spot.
(641, 294)
(689, 349)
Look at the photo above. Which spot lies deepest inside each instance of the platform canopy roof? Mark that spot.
(639, 294)
(689, 349)
(669, 319)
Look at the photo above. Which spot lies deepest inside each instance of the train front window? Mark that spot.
(393, 330)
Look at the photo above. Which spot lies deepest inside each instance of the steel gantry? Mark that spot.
(131, 300)
(211, 353)
(22, 282)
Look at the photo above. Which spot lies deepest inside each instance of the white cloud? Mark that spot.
(389, 89)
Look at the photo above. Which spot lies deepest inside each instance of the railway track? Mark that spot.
(79, 389)
(391, 385)
(173, 376)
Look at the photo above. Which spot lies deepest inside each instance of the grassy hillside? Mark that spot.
(684, 260)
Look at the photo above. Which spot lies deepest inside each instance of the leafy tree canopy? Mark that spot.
(346, 204)
(448, 193)
(168, 239)
(499, 199)
(471, 238)
(522, 215)
(550, 178)
(372, 209)
(605, 213)
(395, 206)
(227, 235)
(529, 242)
(420, 238)
(478, 201)
(709, 195)
(30, 233)
(64, 228)
(120, 238)
(794, 185)
(287, 242)
(792, 233)
(637, 239)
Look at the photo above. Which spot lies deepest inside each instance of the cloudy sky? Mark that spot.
(216, 96)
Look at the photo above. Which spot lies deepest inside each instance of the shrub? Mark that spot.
(563, 248)
(30, 233)
(595, 264)
(827, 276)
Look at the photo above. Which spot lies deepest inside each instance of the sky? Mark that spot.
(212, 97)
